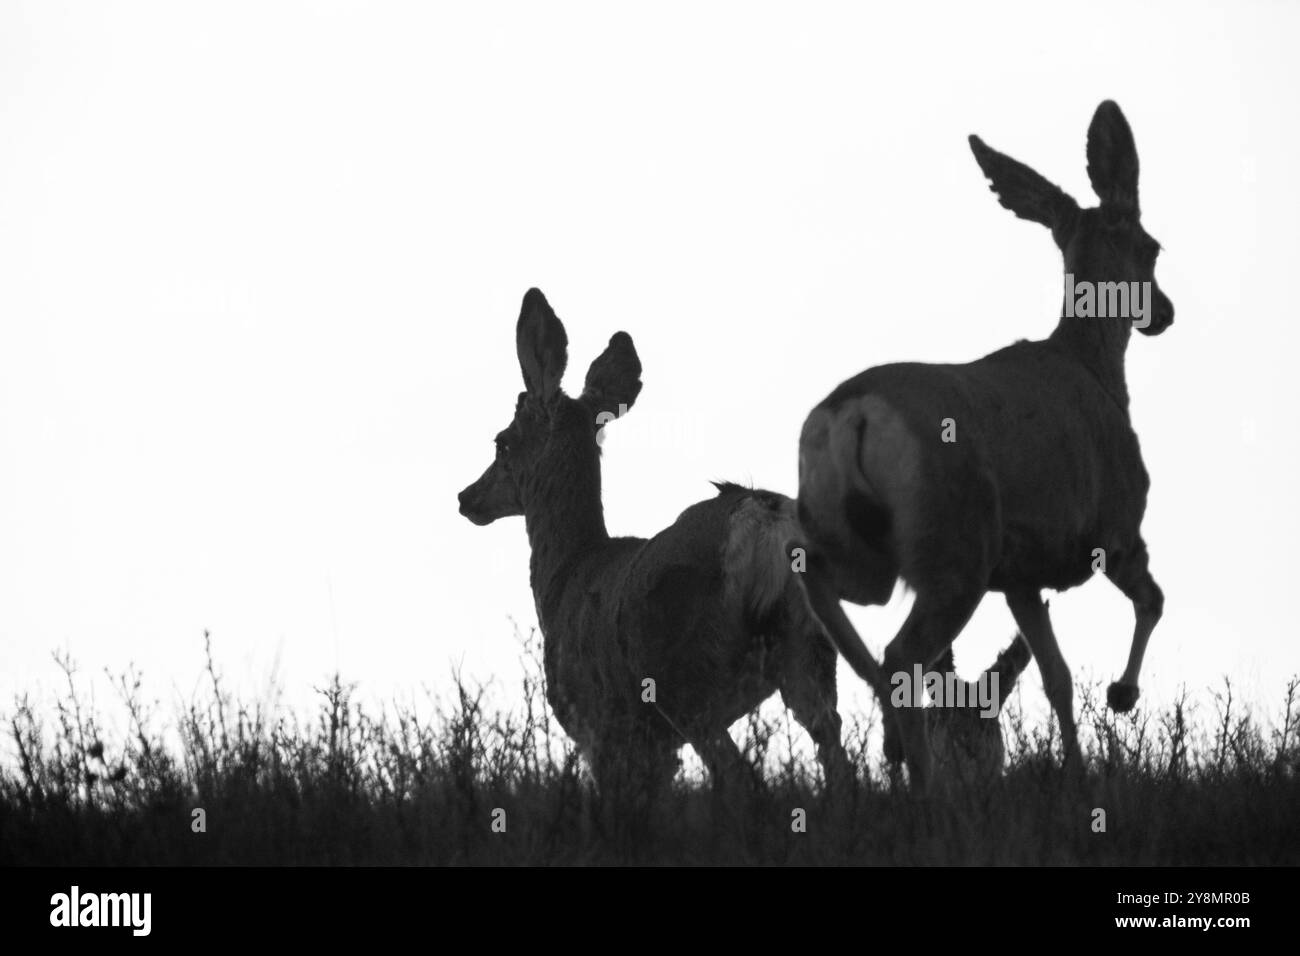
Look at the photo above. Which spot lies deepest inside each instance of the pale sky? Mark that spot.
(260, 265)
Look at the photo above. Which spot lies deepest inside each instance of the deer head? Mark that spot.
(551, 447)
(1102, 244)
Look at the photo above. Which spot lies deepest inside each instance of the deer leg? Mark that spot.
(664, 761)
(808, 688)
(633, 765)
(1030, 611)
(933, 623)
(826, 607)
(632, 776)
(825, 603)
(725, 762)
(893, 743)
(1129, 573)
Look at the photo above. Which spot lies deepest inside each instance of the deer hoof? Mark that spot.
(1122, 697)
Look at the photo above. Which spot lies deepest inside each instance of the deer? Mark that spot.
(649, 644)
(1013, 473)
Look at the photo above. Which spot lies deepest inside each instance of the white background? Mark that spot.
(260, 265)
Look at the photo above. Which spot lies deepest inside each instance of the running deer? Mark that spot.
(1013, 473)
(650, 644)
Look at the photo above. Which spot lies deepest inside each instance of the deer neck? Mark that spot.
(1097, 343)
(565, 521)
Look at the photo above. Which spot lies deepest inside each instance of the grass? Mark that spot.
(353, 785)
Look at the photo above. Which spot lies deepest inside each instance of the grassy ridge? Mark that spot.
(354, 786)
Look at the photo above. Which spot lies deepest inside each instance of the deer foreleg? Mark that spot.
(1129, 572)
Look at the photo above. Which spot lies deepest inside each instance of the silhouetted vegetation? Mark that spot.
(1196, 784)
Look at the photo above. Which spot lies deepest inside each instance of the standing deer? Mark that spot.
(1044, 469)
(649, 644)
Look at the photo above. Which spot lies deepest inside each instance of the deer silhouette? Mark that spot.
(1013, 473)
(650, 644)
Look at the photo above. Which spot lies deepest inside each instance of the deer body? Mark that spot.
(632, 610)
(1012, 473)
(677, 627)
(1048, 453)
(649, 643)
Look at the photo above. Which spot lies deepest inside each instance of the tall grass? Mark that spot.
(1198, 783)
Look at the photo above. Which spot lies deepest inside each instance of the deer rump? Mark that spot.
(1043, 468)
(707, 609)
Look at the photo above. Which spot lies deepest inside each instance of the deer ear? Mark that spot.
(1022, 190)
(614, 379)
(543, 346)
(1113, 159)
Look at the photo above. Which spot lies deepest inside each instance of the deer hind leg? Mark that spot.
(893, 743)
(633, 766)
(808, 688)
(1129, 573)
(734, 780)
(824, 601)
(936, 618)
(1030, 611)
